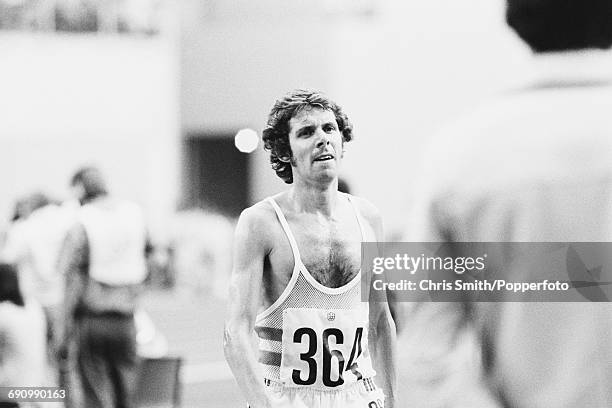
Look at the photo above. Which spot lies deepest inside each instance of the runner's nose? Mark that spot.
(323, 139)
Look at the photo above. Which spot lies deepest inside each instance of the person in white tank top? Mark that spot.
(296, 278)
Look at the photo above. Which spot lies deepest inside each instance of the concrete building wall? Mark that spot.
(111, 101)
(417, 67)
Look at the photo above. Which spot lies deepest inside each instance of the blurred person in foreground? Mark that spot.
(103, 259)
(296, 276)
(533, 166)
(23, 357)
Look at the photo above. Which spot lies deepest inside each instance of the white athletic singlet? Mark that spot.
(314, 337)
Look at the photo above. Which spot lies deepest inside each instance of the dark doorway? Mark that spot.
(216, 174)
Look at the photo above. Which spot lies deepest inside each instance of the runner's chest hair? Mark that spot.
(331, 250)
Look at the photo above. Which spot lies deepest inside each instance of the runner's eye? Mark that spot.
(306, 131)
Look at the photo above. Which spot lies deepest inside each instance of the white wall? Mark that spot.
(69, 100)
(401, 76)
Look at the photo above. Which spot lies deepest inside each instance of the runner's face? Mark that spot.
(316, 144)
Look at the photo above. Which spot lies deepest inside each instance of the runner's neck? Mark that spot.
(315, 199)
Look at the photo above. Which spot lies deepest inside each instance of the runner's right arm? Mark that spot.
(251, 245)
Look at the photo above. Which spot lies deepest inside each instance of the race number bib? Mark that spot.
(323, 348)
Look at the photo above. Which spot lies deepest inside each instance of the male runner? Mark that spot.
(296, 277)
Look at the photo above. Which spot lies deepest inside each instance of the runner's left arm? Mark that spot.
(382, 333)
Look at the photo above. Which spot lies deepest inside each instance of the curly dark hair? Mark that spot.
(276, 134)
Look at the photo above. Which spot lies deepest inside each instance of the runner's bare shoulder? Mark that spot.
(258, 223)
(369, 212)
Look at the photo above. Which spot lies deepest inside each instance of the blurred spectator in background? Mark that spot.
(23, 357)
(536, 165)
(27, 204)
(24, 206)
(11, 13)
(15, 232)
(76, 15)
(19, 213)
(103, 259)
(201, 245)
(33, 245)
(131, 16)
(140, 16)
(159, 259)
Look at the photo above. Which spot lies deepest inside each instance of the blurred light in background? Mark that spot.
(246, 140)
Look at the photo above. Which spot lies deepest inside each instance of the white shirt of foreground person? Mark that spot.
(535, 165)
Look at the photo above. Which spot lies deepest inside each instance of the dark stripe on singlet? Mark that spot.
(269, 333)
(270, 358)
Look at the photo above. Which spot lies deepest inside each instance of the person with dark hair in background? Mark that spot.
(88, 184)
(23, 357)
(296, 277)
(104, 262)
(533, 166)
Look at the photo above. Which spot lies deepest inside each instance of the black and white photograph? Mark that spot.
(305, 204)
